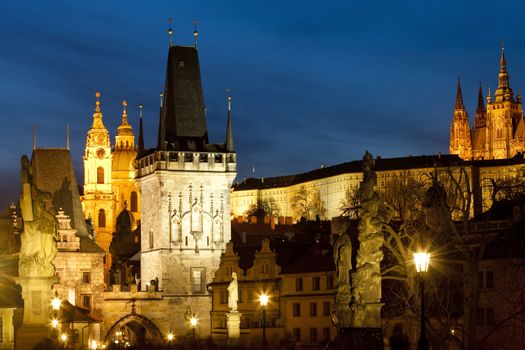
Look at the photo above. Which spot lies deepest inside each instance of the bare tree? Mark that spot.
(264, 207)
(308, 203)
(350, 204)
(455, 286)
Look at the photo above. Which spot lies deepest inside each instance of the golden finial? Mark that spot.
(97, 102)
(140, 107)
(170, 32)
(124, 112)
(195, 33)
(229, 100)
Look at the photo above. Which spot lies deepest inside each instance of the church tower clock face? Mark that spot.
(101, 153)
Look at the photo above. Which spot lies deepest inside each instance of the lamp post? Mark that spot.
(193, 323)
(421, 261)
(263, 300)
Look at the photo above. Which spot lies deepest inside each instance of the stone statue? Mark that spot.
(233, 293)
(343, 262)
(366, 279)
(38, 240)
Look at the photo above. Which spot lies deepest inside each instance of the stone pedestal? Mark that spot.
(37, 294)
(341, 315)
(360, 338)
(233, 323)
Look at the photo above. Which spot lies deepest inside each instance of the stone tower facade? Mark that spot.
(185, 188)
(499, 129)
(123, 182)
(98, 199)
(109, 178)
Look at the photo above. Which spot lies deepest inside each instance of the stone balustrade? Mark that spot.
(194, 161)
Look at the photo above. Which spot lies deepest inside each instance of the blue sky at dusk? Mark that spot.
(312, 82)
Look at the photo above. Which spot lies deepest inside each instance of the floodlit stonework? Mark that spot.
(498, 131)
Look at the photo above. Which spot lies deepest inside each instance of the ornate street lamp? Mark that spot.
(263, 300)
(193, 323)
(421, 260)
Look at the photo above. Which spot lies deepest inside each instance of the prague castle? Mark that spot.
(499, 129)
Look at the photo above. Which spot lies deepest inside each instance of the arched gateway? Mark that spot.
(134, 329)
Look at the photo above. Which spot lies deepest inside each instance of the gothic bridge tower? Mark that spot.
(185, 194)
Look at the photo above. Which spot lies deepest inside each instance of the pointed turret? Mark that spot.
(124, 137)
(141, 132)
(459, 97)
(97, 115)
(98, 135)
(460, 142)
(503, 92)
(480, 120)
(229, 130)
(182, 119)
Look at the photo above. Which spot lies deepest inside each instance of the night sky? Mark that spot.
(313, 83)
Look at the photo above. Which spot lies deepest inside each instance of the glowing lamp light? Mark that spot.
(55, 303)
(263, 299)
(63, 337)
(421, 260)
(193, 321)
(94, 345)
(170, 336)
(54, 323)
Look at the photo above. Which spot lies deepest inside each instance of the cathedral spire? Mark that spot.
(481, 104)
(459, 97)
(503, 92)
(141, 132)
(480, 120)
(229, 130)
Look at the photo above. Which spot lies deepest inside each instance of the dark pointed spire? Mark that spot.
(503, 76)
(481, 104)
(140, 146)
(195, 33)
(459, 97)
(182, 124)
(229, 130)
(480, 120)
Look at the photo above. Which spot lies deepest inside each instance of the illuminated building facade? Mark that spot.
(498, 131)
(109, 178)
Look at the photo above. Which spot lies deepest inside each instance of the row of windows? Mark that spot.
(313, 335)
(316, 283)
(296, 309)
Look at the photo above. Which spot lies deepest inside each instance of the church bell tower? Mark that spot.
(98, 198)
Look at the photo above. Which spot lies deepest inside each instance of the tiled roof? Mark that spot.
(182, 118)
(54, 173)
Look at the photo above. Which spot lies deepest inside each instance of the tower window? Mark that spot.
(133, 201)
(499, 134)
(100, 175)
(101, 218)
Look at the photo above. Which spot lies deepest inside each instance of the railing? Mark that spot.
(177, 160)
